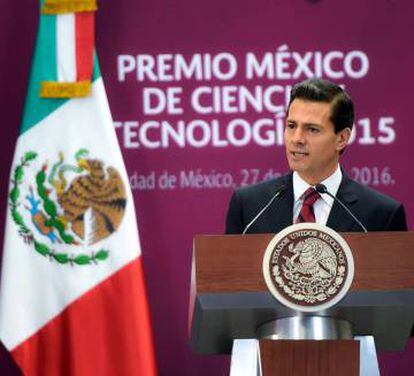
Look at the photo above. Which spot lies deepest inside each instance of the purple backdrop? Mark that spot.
(184, 162)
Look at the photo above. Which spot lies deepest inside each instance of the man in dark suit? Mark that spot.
(319, 121)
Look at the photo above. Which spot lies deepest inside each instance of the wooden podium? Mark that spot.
(229, 300)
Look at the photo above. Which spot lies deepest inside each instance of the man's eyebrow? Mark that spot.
(312, 125)
(305, 124)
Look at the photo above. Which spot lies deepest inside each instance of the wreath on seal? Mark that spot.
(304, 292)
(306, 280)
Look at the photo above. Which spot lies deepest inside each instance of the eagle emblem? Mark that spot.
(308, 267)
(67, 206)
(311, 257)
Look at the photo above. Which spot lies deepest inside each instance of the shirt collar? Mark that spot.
(332, 184)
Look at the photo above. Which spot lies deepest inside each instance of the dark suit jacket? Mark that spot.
(376, 211)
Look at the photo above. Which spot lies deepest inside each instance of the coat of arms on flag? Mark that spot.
(67, 204)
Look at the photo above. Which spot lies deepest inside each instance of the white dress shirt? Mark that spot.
(322, 206)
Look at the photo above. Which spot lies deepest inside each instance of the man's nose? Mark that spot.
(298, 136)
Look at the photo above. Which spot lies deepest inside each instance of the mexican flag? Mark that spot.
(72, 295)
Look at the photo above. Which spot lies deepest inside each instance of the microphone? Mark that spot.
(278, 193)
(321, 188)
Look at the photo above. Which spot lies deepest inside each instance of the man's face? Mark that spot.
(312, 146)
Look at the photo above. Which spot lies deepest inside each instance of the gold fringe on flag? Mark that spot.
(51, 89)
(69, 6)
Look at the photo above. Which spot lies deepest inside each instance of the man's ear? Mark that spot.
(343, 138)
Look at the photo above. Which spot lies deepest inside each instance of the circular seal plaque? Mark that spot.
(308, 267)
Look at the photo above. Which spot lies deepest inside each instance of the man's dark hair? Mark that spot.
(318, 90)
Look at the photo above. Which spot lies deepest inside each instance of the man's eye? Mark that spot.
(290, 125)
(314, 130)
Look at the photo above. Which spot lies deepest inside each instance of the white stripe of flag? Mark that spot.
(66, 48)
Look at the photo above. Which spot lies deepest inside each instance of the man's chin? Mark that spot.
(298, 167)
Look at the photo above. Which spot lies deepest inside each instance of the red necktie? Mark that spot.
(307, 213)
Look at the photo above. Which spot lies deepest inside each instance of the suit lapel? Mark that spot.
(281, 212)
(339, 219)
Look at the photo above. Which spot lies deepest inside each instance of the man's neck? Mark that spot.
(313, 180)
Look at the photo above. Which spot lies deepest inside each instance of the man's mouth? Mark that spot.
(299, 153)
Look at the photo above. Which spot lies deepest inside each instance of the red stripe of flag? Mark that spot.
(84, 39)
(105, 332)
